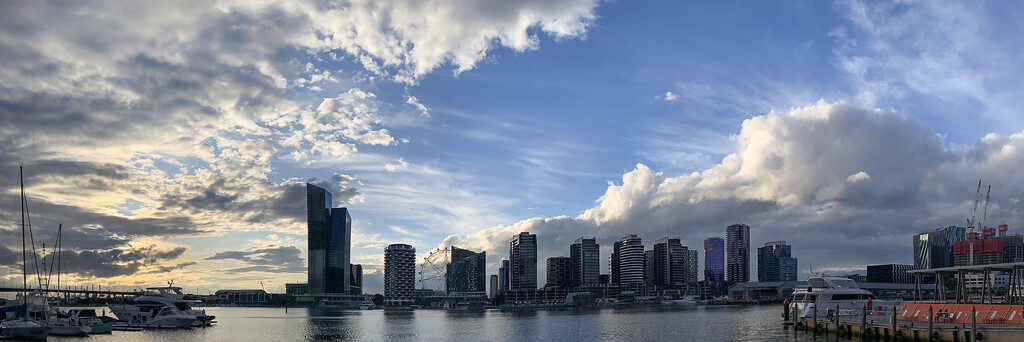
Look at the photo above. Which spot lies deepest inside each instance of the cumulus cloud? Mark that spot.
(670, 97)
(415, 102)
(800, 176)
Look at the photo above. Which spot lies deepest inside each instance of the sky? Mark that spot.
(173, 141)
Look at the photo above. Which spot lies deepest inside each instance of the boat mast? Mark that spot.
(24, 256)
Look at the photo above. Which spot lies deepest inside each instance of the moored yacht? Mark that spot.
(159, 297)
(825, 293)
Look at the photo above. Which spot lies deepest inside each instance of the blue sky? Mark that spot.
(178, 148)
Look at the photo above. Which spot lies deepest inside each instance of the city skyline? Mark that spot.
(174, 141)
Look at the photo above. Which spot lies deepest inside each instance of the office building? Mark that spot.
(355, 277)
(296, 289)
(671, 263)
(690, 274)
(775, 262)
(934, 249)
(890, 273)
(559, 272)
(493, 285)
(649, 267)
(522, 251)
(613, 263)
(630, 260)
(503, 276)
(585, 255)
(399, 272)
(466, 271)
(714, 259)
(987, 248)
(737, 252)
(329, 238)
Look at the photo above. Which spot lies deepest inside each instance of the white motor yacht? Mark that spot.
(150, 316)
(825, 293)
(158, 297)
(88, 317)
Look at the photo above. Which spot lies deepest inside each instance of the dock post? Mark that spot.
(836, 316)
(814, 318)
(893, 322)
(931, 321)
(864, 321)
(974, 324)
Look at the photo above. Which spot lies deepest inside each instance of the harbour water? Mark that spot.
(699, 323)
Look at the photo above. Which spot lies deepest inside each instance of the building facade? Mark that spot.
(522, 251)
(466, 271)
(714, 259)
(296, 289)
(585, 255)
(737, 247)
(989, 248)
(503, 276)
(631, 260)
(934, 249)
(355, 276)
(399, 272)
(329, 243)
(559, 272)
(671, 266)
(775, 262)
(890, 273)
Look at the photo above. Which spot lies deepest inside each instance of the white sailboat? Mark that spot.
(21, 328)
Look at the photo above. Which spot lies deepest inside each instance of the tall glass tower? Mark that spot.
(522, 251)
(737, 244)
(586, 262)
(329, 238)
(714, 259)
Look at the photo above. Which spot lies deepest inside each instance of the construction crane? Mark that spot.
(263, 287)
(974, 210)
(984, 214)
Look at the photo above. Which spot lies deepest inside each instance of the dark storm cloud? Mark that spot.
(96, 263)
(283, 259)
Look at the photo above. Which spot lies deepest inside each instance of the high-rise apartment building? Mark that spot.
(585, 255)
(690, 274)
(934, 249)
(355, 277)
(613, 264)
(775, 262)
(559, 272)
(631, 260)
(466, 271)
(399, 272)
(329, 236)
(714, 259)
(503, 276)
(737, 247)
(670, 263)
(522, 251)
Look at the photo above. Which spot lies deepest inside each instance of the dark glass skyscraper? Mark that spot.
(670, 263)
(586, 263)
(714, 259)
(737, 246)
(775, 262)
(466, 272)
(934, 249)
(329, 238)
(522, 251)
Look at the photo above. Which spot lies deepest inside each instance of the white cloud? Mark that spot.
(799, 176)
(857, 177)
(670, 97)
(415, 102)
(402, 165)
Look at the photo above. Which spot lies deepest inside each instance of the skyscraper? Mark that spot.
(934, 249)
(631, 260)
(737, 240)
(355, 276)
(670, 263)
(613, 264)
(690, 274)
(522, 251)
(775, 262)
(466, 272)
(585, 256)
(329, 238)
(714, 259)
(559, 272)
(399, 272)
(503, 276)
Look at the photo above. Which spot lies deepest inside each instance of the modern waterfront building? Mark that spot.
(987, 248)
(649, 267)
(737, 247)
(775, 262)
(466, 271)
(522, 251)
(493, 286)
(296, 289)
(559, 272)
(714, 259)
(503, 276)
(355, 276)
(690, 274)
(934, 249)
(613, 263)
(630, 260)
(399, 272)
(890, 273)
(671, 263)
(329, 239)
(585, 255)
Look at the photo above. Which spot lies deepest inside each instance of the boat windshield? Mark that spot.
(844, 284)
(817, 283)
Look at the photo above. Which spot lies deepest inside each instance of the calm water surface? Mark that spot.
(710, 323)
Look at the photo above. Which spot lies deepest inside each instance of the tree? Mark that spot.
(378, 299)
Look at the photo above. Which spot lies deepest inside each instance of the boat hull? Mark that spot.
(28, 331)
